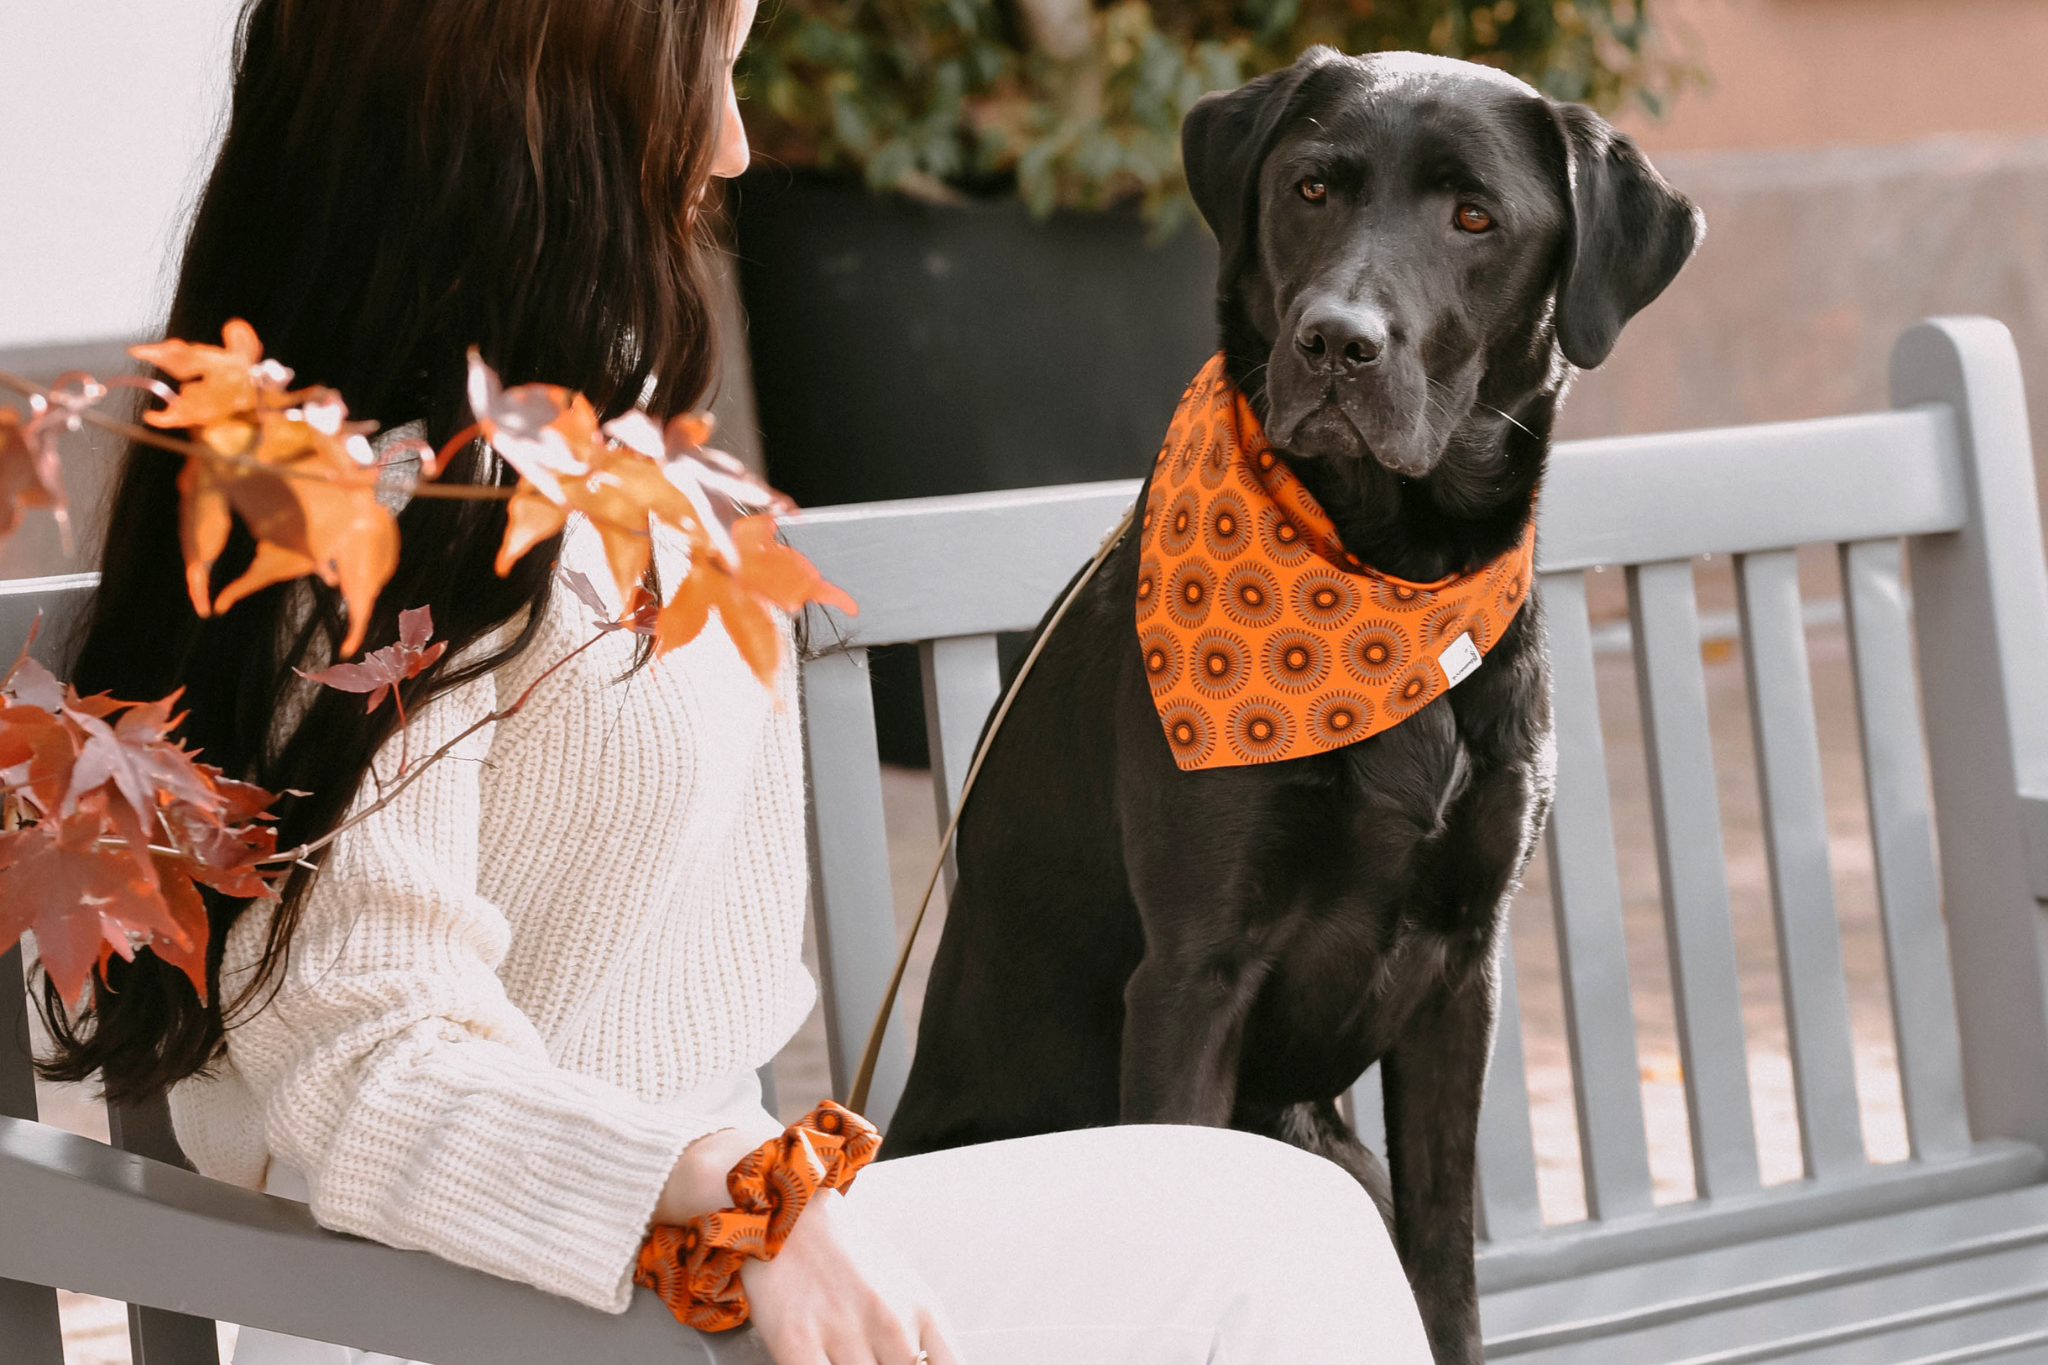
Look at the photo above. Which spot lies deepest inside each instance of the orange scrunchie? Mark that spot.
(695, 1268)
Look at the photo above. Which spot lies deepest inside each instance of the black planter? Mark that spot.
(902, 349)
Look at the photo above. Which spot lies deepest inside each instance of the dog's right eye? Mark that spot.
(1313, 190)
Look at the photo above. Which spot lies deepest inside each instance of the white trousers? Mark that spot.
(1122, 1246)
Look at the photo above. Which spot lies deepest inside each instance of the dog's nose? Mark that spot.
(1336, 337)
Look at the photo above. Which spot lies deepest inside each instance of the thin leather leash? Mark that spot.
(857, 1100)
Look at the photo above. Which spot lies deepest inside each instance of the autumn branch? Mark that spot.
(84, 779)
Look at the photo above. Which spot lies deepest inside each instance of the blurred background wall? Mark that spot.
(1862, 163)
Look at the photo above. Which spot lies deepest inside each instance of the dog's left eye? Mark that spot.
(1472, 218)
(1313, 190)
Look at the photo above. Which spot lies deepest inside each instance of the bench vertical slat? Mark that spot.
(1508, 1204)
(1585, 893)
(159, 1336)
(1902, 840)
(28, 1312)
(1796, 844)
(963, 676)
(852, 902)
(1685, 807)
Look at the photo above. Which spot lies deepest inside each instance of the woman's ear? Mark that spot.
(1223, 142)
(1629, 234)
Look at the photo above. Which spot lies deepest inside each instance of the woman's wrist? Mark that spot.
(696, 1184)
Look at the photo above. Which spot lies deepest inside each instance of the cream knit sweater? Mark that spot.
(508, 982)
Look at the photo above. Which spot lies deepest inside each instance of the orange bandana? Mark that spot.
(1264, 638)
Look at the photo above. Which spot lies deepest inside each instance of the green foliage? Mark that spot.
(942, 96)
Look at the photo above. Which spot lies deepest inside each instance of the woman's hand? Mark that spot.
(839, 1294)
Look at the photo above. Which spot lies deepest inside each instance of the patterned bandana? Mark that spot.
(1264, 638)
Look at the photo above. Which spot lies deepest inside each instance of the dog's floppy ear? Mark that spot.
(1630, 233)
(1223, 142)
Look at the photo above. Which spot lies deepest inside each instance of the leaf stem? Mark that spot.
(303, 851)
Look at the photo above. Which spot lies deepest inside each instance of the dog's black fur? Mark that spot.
(1132, 943)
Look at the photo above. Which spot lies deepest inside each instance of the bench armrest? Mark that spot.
(96, 1220)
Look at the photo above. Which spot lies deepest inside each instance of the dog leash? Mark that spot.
(857, 1099)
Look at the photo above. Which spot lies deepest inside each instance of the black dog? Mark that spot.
(1415, 252)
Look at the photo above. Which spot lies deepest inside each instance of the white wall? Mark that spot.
(109, 112)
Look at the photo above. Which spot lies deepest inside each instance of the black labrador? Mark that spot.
(1416, 252)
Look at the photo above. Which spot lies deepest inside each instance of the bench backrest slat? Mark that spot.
(1685, 806)
(1585, 895)
(963, 679)
(1902, 844)
(1508, 1204)
(1681, 494)
(852, 904)
(1795, 827)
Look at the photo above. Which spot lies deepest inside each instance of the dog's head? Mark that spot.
(1411, 242)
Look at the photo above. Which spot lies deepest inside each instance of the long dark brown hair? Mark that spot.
(399, 180)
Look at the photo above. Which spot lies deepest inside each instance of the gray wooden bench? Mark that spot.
(1941, 1258)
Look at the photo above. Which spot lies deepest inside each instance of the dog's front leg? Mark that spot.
(1183, 1030)
(1434, 1076)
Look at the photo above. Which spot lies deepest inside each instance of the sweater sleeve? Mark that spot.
(393, 1071)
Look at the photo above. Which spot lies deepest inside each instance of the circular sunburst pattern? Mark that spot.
(1295, 661)
(1186, 445)
(1183, 520)
(1251, 596)
(1394, 595)
(1189, 593)
(1325, 599)
(1148, 587)
(1162, 659)
(1507, 598)
(1259, 730)
(1281, 539)
(1413, 690)
(1443, 623)
(1338, 718)
(1226, 527)
(1219, 665)
(1189, 734)
(1215, 465)
(1376, 651)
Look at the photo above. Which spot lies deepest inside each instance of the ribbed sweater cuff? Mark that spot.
(551, 1182)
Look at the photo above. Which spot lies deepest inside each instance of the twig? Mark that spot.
(300, 854)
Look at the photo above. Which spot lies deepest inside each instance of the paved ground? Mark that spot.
(95, 1327)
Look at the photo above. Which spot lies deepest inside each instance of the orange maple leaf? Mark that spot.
(656, 473)
(291, 465)
(222, 383)
(768, 571)
(28, 470)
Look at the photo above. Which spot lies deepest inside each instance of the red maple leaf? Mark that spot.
(103, 783)
(380, 672)
(61, 881)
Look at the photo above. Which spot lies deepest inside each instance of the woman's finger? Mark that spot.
(933, 1342)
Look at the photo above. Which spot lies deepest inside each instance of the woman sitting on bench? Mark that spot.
(515, 1017)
